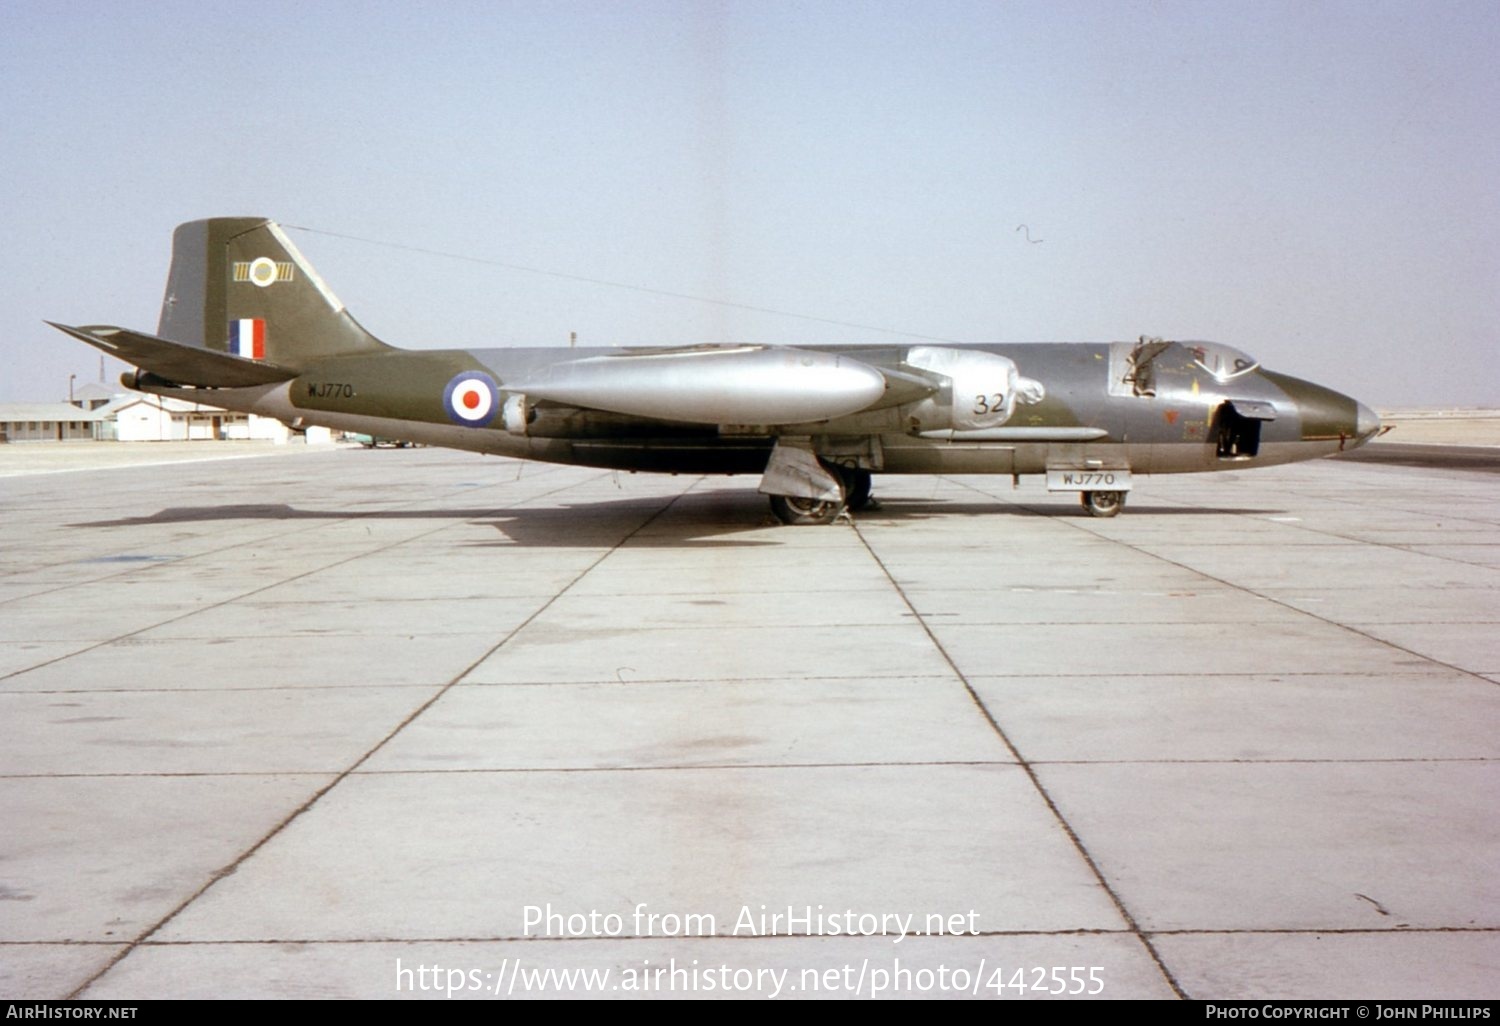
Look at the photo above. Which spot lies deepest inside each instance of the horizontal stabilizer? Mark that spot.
(176, 362)
(713, 385)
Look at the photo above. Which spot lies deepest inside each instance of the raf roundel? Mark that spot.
(471, 399)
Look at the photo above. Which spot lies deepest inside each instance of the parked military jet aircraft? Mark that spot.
(248, 325)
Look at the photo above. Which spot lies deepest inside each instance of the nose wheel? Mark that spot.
(1103, 504)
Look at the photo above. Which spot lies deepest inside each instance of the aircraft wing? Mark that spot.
(724, 384)
(178, 363)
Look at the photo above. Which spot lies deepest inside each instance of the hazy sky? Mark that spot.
(1316, 183)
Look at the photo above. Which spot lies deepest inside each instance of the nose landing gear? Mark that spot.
(1102, 504)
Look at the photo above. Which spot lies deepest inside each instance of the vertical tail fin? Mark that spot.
(238, 285)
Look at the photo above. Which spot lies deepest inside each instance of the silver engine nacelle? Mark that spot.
(522, 415)
(983, 389)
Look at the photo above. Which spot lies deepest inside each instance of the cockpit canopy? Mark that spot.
(1225, 363)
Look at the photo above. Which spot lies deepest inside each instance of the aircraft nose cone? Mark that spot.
(1366, 422)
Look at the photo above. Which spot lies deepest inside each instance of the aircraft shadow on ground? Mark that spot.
(693, 520)
(589, 525)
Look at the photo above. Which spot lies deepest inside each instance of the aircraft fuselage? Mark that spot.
(1088, 417)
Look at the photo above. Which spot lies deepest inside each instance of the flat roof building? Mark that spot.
(132, 417)
(47, 422)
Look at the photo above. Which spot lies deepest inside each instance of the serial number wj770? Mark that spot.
(1090, 480)
(329, 390)
(1103, 480)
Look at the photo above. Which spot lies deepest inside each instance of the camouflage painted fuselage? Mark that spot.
(1088, 416)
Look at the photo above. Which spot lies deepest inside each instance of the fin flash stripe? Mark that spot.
(247, 338)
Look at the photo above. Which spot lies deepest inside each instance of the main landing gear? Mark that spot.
(857, 489)
(800, 512)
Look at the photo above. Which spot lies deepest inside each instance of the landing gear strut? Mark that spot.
(1103, 504)
(856, 488)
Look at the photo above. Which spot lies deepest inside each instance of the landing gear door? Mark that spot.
(1239, 427)
(794, 470)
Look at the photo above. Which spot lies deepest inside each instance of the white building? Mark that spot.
(96, 414)
(154, 418)
(46, 422)
(93, 395)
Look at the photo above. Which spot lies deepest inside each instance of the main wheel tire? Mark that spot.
(857, 489)
(798, 512)
(1103, 504)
